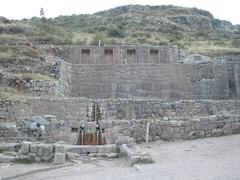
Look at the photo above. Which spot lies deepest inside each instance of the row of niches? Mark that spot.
(129, 55)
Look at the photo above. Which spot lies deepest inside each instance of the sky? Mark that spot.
(19, 9)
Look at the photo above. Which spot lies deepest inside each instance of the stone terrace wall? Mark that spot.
(5, 108)
(168, 81)
(125, 54)
(156, 108)
(74, 109)
(181, 128)
(183, 119)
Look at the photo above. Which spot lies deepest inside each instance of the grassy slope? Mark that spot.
(193, 29)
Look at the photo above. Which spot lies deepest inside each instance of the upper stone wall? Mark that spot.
(120, 54)
(167, 81)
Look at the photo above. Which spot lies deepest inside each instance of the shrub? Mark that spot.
(114, 32)
(236, 43)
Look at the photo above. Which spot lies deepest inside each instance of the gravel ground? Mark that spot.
(202, 159)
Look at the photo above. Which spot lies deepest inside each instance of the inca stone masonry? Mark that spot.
(181, 98)
(144, 72)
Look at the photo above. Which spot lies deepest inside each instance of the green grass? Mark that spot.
(36, 76)
(12, 95)
(192, 29)
(1, 150)
(209, 48)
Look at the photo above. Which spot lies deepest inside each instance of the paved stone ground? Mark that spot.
(211, 159)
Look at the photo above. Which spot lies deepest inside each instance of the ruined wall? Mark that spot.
(124, 54)
(181, 128)
(168, 81)
(5, 109)
(169, 120)
(74, 109)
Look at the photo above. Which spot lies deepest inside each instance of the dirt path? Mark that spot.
(211, 159)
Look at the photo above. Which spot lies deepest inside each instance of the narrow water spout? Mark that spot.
(97, 137)
(82, 138)
(147, 132)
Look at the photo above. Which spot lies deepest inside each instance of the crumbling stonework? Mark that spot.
(29, 85)
(5, 106)
(8, 133)
(74, 109)
(169, 120)
(36, 152)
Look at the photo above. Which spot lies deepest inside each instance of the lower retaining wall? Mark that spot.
(36, 152)
(181, 128)
(109, 148)
(75, 109)
(169, 120)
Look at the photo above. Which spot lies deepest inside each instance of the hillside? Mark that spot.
(23, 63)
(193, 29)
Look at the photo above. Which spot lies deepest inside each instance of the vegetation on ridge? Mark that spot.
(190, 28)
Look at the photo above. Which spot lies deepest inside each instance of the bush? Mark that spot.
(114, 32)
(236, 43)
(4, 20)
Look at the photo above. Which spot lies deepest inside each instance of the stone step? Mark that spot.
(6, 158)
(135, 155)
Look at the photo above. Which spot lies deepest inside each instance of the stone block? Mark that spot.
(146, 159)
(134, 160)
(37, 159)
(33, 148)
(213, 118)
(227, 129)
(25, 147)
(59, 158)
(46, 158)
(107, 148)
(196, 134)
(32, 154)
(217, 132)
(25, 157)
(59, 149)
(112, 155)
(9, 153)
(50, 118)
(124, 140)
(70, 156)
(40, 152)
(6, 158)
(45, 148)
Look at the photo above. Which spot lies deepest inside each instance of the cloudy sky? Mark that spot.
(18, 9)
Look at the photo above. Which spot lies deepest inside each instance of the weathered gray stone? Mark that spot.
(217, 132)
(46, 158)
(6, 158)
(25, 147)
(59, 148)
(112, 155)
(40, 152)
(37, 159)
(134, 160)
(32, 155)
(33, 148)
(107, 149)
(196, 134)
(59, 158)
